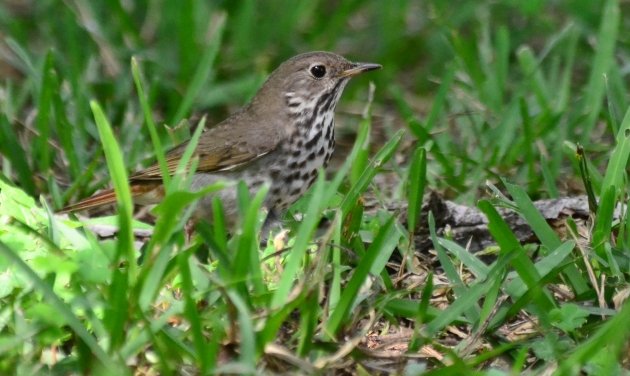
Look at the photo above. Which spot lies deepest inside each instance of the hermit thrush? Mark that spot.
(282, 137)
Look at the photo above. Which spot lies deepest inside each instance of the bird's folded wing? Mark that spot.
(212, 158)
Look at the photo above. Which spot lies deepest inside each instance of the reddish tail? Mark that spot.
(102, 198)
(108, 196)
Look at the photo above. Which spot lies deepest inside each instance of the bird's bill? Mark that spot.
(359, 68)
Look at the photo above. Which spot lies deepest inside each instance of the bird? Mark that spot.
(282, 137)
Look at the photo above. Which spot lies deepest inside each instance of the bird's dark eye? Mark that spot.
(318, 71)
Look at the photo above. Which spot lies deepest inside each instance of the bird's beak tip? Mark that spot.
(359, 68)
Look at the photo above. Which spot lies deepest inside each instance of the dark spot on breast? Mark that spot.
(302, 164)
(311, 143)
(321, 151)
(325, 103)
(326, 107)
(274, 174)
(296, 153)
(293, 165)
(311, 156)
(329, 131)
(296, 191)
(323, 99)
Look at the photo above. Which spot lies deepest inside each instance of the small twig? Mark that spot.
(348, 346)
(468, 343)
(281, 352)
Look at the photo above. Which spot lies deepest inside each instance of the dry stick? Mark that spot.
(348, 346)
(470, 341)
(281, 352)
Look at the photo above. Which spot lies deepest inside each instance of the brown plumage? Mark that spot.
(282, 137)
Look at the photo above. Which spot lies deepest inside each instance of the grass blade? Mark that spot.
(116, 314)
(533, 217)
(118, 174)
(383, 155)
(148, 118)
(41, 148)
(616, 169)
(206, 62)
(604, 58)
(416, 182)
(544, 232)
(16, 154)
(246, 260)
(472, 312)
(467, 302)
(191, 312)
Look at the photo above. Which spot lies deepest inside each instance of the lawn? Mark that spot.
(472, 220)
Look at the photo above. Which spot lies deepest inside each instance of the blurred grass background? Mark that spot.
(484, 90)
(516, 78)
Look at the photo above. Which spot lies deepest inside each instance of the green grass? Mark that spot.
(491, 104)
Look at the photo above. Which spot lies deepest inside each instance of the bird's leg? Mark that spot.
(272, 224)
(189, 231)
